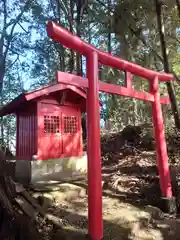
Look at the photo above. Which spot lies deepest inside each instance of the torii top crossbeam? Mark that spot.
(65, 38)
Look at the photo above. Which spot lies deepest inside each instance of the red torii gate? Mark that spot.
(92, 83)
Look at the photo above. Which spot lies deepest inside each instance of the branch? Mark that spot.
(23, 28)
(14, 62)
(13, 27)
(14, 52)
(39, 45)
(63, 7)
(83, 7)
(142, 40)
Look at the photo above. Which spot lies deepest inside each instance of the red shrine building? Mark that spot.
(48, 122)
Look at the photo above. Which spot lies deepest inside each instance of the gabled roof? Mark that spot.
(12, 106)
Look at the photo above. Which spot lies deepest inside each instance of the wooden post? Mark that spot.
(95, 224)
(161, 148)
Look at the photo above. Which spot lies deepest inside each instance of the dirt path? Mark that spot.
(122, 220)
(130, 183)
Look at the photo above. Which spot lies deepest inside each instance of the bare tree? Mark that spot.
(7, 36)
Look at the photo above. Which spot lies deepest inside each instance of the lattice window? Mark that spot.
(51, 124)
(70, 124)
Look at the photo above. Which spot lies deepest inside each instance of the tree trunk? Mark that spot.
(2, 57)
(170, 88)
(178, 7)
(60, 48)
(78, 32)
(62, 59)
(2, 132)
(2, 71)
(1, 122)
(109, 27)
(71, 19)
(135, 113)
(110, 47)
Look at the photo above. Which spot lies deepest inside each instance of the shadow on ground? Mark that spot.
(75, 227)
(124, 206)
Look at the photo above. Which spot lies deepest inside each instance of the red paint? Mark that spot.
(16, 104)
(67, 39)
(161, 148)
(48, 122)
(26, 127)
(49, 143)
(51, 89)
(94, 55)
(95, 226)
(72, 141)
(56, 142)
(77, 81)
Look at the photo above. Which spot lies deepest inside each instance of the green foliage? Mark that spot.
(15, 36)
(125, 28)
(176, 63)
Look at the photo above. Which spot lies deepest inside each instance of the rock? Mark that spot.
(45, 201)
(131, 133)
(155, 212)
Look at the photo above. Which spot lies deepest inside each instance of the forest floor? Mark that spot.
(130, 193)
(126, 214)
(122, 220)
